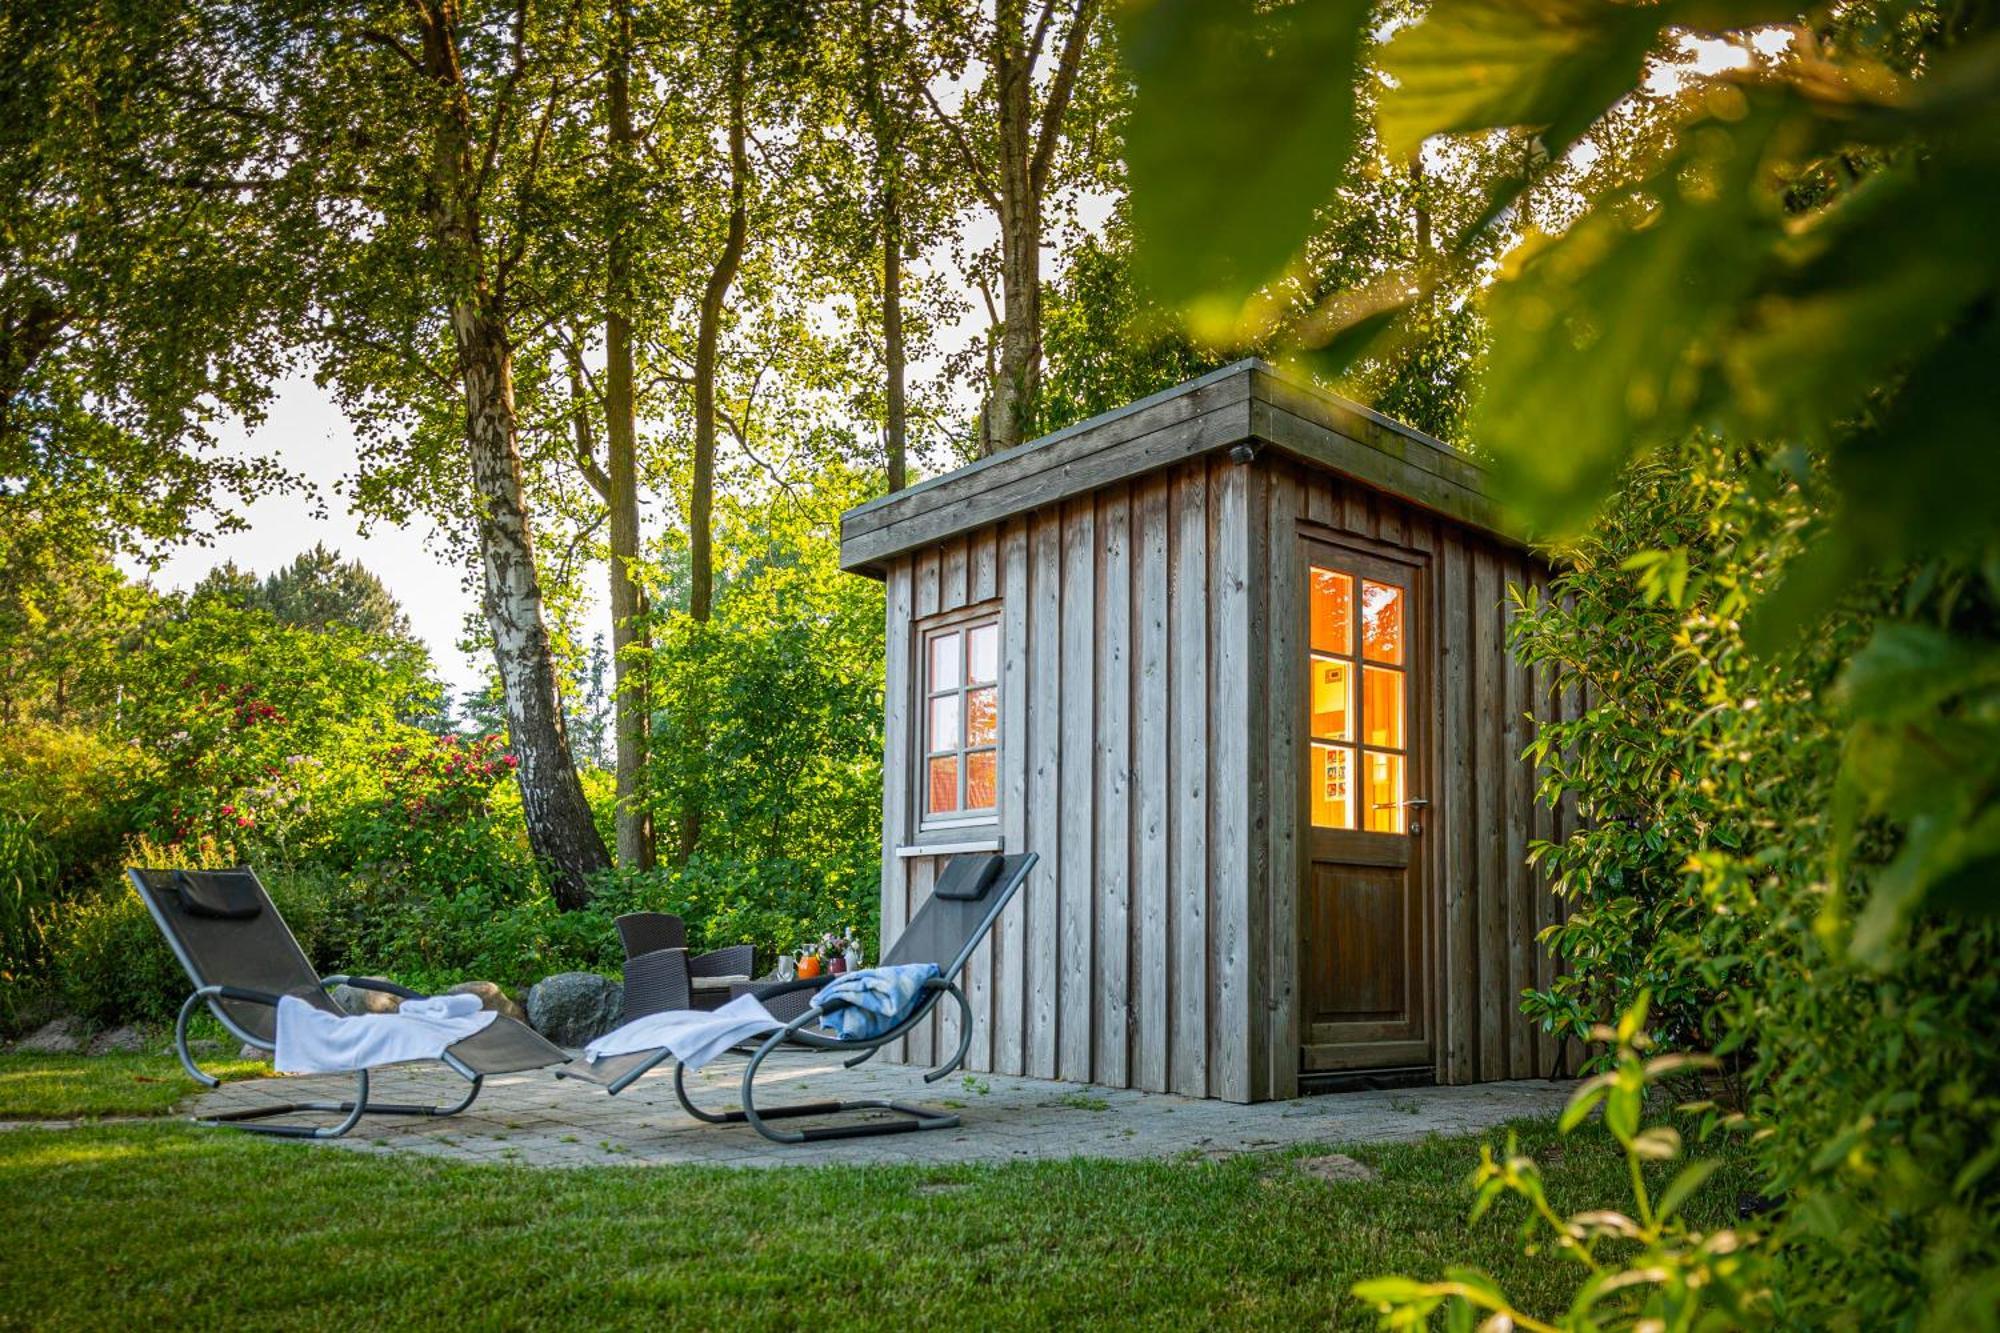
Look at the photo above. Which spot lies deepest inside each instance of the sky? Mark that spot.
(308, 434)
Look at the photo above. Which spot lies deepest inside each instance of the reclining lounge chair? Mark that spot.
(968, 899)
(242, 958)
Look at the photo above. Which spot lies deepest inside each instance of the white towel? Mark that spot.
(695, 1036)
(440, 1006)
(312, 1041)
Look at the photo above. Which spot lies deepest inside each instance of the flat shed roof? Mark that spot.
(1249, 401)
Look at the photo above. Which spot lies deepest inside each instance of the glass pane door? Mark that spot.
(1359, 701)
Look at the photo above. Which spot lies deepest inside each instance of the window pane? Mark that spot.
(1332, 786)
(982, 716)
(1384, 792)
(944, 724)
(1382, 707)
(1382, 622)
(943, 784)
(982, 652)
(1332, 699)
(1332, 612)
(944, 661)
(981, 784)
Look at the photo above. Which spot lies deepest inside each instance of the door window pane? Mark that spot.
(1332, 786)
(944, 723)
(982, 652)
(1383, 791)
(1332, 699)
(1382, 622)
(982, 717)
(943, 784)
(944, 662)
(1332, 598)
(981, 783)
(1382, 707)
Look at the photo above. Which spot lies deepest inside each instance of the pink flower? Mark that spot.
(511, 761)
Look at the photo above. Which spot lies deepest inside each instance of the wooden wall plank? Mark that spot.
(1113, 785)
(1189, 760)
(952, 558)
(1544, 830)
(1010, 934)
(921, 1045)
(1075, 1027)
(1457, 812)
(1518, 780)
(1235, 898)
(1043, 890)
(1151, 888)
(982, 577)
(897, 692)
(1283, 618)
(1489, 673)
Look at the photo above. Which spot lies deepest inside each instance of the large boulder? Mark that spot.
(58, 1036)
(491, 997)
(119, 1041)
(360, 1000)
(575, 1008)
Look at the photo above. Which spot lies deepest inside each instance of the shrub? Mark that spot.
(1712, 870)
(110, 965)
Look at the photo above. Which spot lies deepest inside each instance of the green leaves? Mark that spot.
(1244, 123)
(1604, 333)
(1552, 65)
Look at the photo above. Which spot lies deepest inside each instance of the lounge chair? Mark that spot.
(242, 958)
(968, 899)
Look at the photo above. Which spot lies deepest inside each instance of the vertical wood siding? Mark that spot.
(1149, 752)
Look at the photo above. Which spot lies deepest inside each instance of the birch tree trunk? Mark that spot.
(560, 829)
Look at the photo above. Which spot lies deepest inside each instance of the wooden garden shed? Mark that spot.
(1233, 660)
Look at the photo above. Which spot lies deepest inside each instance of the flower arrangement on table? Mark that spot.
(834, 952)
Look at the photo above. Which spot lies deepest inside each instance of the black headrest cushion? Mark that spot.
(967, 877)
(228, 894)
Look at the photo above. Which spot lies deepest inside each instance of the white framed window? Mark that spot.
(958, 724)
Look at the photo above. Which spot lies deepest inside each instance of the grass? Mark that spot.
(304, 1236)
(62, 1087)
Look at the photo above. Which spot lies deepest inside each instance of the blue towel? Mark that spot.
(859, 1005)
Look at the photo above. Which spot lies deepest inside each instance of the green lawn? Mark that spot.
(59, 1087)
(164, 1224)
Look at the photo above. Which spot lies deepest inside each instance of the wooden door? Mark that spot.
(1362, 947)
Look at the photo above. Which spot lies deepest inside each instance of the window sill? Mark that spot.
(959, 848)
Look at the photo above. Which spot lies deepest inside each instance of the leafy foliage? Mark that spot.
(1644, 1270)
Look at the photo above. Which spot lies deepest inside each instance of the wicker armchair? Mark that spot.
(661, 975)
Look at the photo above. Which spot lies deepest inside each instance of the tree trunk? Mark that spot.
(1025, 153)
(1010, 397)
(708, 337)
(560, 829)
(629, 637)
(889, 204)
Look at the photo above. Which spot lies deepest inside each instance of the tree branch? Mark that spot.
(973, 168)
(1060, 89)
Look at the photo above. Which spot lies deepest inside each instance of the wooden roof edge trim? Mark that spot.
(1172, 440)
(1089, 426)
(1279, 408)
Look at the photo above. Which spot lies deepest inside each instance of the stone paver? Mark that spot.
(538, 1120)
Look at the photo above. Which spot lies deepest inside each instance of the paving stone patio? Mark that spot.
(538, 1120)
